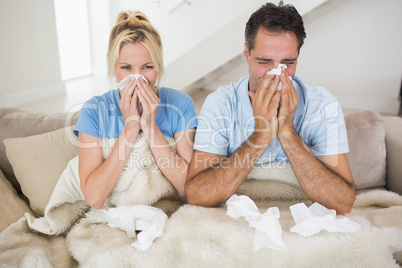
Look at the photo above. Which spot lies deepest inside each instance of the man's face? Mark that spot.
(269, 51)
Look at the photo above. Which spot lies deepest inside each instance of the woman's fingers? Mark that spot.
(128, 89)
(148, 92)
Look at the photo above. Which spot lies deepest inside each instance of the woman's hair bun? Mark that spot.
(131, 17)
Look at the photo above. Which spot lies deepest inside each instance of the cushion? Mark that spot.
(38, 162)
(12, 207)
(18, 123)
(367, 153)
(393, 130)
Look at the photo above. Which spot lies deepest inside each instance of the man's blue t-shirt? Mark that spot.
(101, 116)
(226, 121)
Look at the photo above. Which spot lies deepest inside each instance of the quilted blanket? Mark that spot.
(72, 235)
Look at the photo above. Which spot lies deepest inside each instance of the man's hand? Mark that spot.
(265, 102)
(289, 104)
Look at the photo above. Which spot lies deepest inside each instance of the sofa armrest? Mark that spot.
(393, 141)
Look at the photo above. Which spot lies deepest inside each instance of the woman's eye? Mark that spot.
(148, 67)
(126, 67)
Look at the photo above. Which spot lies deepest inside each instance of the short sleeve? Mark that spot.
(187, 116)
(212, 131)
(88, 121)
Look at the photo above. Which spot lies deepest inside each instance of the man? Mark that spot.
(250, 122)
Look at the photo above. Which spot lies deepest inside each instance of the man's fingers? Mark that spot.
(264, 84)
(276, 99)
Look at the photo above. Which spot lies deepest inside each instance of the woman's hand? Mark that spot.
(128, 107)
(150, 103)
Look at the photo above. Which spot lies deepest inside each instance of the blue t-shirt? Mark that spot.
(101, 116)
(226, 121)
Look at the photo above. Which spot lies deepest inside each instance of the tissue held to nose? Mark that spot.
(124, 82)
(278, 71)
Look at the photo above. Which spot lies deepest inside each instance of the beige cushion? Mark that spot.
(393, 140)
(367, 153)
(12, 207)
(38, 162)
(17, 123)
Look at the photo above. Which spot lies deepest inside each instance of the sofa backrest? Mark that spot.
(366, 136)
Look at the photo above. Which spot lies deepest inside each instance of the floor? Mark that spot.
(80, 90)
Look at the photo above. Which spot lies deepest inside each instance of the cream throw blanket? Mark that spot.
(197, 236)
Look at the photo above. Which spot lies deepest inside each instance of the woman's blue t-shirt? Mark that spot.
(101, 116)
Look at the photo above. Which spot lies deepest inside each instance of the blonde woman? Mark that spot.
(134, 48)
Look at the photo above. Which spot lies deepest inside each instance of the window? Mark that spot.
(73, 38)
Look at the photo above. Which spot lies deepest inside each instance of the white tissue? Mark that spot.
(312, 220)
(278, 71)
(124, 82)
(149, 220)
(268, 231)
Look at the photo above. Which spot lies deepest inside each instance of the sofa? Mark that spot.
(35, 148)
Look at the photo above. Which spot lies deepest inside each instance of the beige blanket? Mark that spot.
(206, 237)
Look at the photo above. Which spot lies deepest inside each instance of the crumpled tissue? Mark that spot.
(149, 220)
(278, 71)
(268, 231)
(311, 220)
(124, 82)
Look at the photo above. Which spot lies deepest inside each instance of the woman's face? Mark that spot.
(134, 58)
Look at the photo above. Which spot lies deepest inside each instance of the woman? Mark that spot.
(134, 48)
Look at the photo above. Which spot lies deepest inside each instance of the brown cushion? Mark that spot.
(367, 153)
(38, 162)
(18, 123)
(12, 207)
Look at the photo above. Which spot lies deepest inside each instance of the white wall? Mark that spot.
(29, 61)
(206, 36)
(187, 25)
(355, 51)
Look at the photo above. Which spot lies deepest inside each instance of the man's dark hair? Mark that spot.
(278, 19)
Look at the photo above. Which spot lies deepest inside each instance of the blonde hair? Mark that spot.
(134, 26)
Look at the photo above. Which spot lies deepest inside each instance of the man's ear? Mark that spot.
(246, 53)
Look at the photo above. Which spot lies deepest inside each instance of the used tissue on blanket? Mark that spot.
(278, 71)
(311, 220)
(149, 220)
(268, 231)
